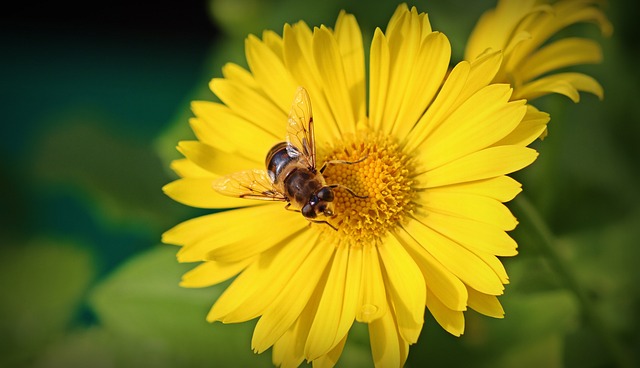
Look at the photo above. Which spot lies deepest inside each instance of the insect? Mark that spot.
(291, 175)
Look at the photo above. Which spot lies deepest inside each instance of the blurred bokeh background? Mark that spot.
(96, 96)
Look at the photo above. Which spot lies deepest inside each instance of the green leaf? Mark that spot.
(142, 302)
(120, 175)
(43, 284)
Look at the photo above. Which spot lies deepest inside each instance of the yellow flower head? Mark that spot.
(418, 176)
(522, 28)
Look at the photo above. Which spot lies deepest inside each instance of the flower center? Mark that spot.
(382, 175)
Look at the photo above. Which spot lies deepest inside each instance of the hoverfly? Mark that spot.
(291, 175)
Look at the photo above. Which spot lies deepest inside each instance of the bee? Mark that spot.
(291, 175)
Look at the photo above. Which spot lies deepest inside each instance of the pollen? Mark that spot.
(381, 173)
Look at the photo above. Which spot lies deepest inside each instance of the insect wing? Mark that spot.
(251, 184)
(300, 129)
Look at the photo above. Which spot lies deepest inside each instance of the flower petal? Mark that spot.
(469, 206)
(406, 286)
(220, 127)
(452, 321)
(332, 72)
(213, 159)
(229, 228)
(258, 286)
(501, 188)
(485, 304)
(210, 273)
(198, 192)
(560, 54)
(484, 164)
(270, 73)
(323, 332)
(280, 315)
(349, 38)
(438, 279)
(187, 169)
(372, 292)
(387, 347)
(457, 259)
(532, 127)
(252, 106)
(473, 235)
(568, 84)
(379, 66)
(480, 121)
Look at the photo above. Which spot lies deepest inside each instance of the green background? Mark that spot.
(94, 104)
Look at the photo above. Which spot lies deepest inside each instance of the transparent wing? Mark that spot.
(251, 184)
(300, 129)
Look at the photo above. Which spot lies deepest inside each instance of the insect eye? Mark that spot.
(325, 194)
(308, 211)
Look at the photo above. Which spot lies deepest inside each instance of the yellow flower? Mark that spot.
(434, 147)
(521, 28)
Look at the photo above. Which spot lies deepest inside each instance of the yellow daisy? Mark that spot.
(522, 28)
(423, 222)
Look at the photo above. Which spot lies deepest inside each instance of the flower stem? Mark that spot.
(549, 249)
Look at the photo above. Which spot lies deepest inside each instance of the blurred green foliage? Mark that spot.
(85, 283)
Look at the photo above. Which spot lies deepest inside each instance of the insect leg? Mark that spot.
(323, 222)
(340, 162)
(290, 209)
(347, 189)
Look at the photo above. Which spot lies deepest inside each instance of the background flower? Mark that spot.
(88, 99)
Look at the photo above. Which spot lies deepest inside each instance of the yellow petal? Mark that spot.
(274, 42)
(323, 332)
(404, 44)
(457, 259)
(452, 321)
(298, 56)
(211, 273)
(532, 127)
(474, 207)
(239, 74)
(330, 359)
(259, 285)
(230, 228)
(349, 38)
(372, 292)
(220, 127)
(568, 84)
(483, 70)
(440, 108)
(379, 66)
(501, 188)
(280, 315)
(252, 105)
(406, 287)
(198, 192)
(440, 281)
(473, 235)
(485, 164)
(187, 169)
(290, 347)
(214, 160)
(432, 59)
(482, 120)
(270, 73)
(560, 54)
(387, 347)
(485, 304)
(236, 248)
(332, 72)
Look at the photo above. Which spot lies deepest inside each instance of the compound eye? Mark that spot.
(325, 194)
(308, 211)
